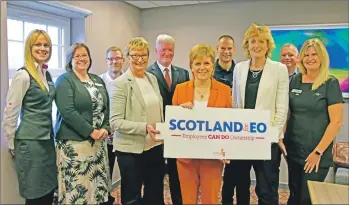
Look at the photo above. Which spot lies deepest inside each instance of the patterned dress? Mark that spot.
(83, 176)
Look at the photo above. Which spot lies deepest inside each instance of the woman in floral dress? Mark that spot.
(81, 129)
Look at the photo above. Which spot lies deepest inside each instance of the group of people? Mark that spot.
(113, 115)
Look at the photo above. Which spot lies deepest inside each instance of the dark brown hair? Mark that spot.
(70, 55)
(226, 36)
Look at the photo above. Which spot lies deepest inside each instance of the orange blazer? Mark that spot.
(220, 96)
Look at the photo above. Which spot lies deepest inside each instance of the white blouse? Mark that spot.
(152, 103)
(200, 103)
(16, 92)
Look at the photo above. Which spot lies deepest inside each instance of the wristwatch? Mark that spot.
(318, 153)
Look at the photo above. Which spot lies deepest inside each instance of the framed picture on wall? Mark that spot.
(335, 38)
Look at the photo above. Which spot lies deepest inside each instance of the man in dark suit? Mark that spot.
(168, 77)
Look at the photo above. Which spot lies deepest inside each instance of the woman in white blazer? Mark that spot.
(260, 83)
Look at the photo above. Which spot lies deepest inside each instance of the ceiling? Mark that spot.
(154, 4)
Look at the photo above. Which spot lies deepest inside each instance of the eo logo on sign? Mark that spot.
(217, 126)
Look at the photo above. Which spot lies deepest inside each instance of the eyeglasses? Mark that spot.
(115, 59)
(83, 56)
(136, 56)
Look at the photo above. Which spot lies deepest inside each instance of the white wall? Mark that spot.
(112, 23)
(204, 23)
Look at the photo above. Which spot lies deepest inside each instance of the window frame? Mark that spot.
(48, 19)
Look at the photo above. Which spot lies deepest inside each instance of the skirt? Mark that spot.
(83, 172)
(35, 163)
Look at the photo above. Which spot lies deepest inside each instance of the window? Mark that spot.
(20, 22)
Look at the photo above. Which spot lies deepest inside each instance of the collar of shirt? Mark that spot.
(109, 79)
(162, 68)
(41, 70)
(294, 73)
(220, 69)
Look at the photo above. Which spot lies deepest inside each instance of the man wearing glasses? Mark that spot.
(168, 76)
(115, 61)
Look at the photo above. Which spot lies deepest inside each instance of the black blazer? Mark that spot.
(74, 114)
(178, 76)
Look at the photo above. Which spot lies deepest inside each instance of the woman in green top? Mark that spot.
(315, 117)
(81, 129)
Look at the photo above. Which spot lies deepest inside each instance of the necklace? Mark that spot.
(201, 95)
(255, 73)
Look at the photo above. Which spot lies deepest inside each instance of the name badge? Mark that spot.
(100, 85)
(296, 91)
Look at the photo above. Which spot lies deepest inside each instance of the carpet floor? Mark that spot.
(283, 194)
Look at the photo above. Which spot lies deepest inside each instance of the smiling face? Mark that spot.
(138, 59)
(115, 61)
(202, 68)
(258, 47)
(164, 53)
(311, 59)
(40, 50)
(81, 59)
(289, 56)
(226, 50)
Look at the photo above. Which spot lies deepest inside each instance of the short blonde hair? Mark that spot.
(29, 61)
(258, 31)
(323, 55)
(201, 50)
(136, 43)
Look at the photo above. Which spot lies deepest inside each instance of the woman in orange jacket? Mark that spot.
(202, 91)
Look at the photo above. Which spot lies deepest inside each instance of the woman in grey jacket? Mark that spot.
(136, 106)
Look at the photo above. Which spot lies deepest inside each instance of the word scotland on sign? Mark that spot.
(217, 133)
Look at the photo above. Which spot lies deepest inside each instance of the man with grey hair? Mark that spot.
(168, 77)
(290, 57)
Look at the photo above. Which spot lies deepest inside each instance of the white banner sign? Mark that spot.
(217, 133)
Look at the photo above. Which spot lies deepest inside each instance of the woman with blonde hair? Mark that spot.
(31, 144)
(315, 117)
(202, 91)
(260, 83)
(136, 107)
(81, 130)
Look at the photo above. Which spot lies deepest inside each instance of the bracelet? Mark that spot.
(318, 153)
